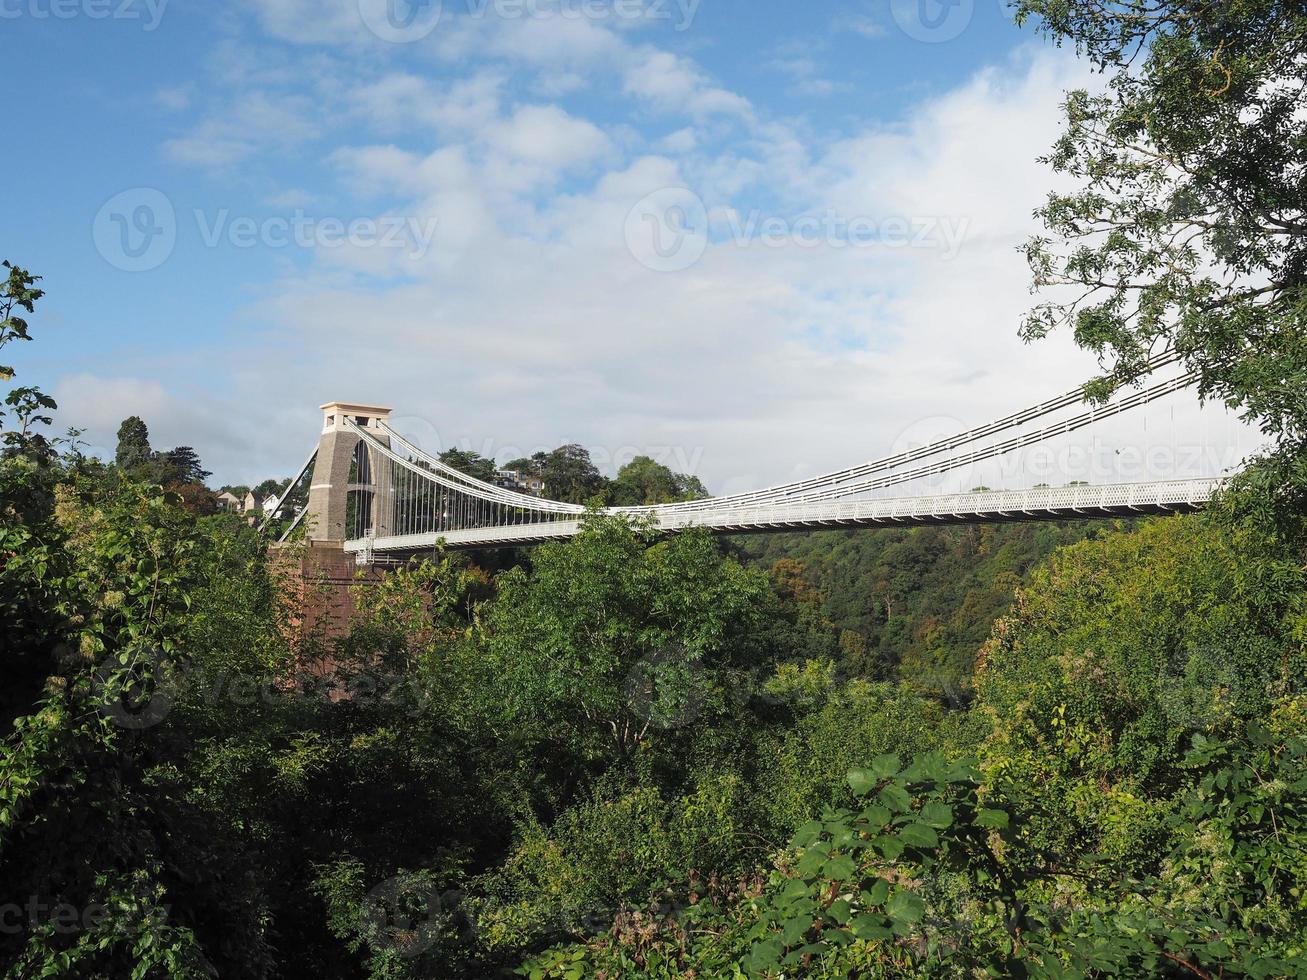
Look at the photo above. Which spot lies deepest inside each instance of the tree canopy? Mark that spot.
(133, 450)
(1187, 228)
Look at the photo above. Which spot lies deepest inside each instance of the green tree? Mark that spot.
(471, 463)
(643, 481)
(27, 480)
(93, 811)
(270, 488)
(526, 465)
(570, 475)
(182, 465)
(1117, 651)
(613, 638)
(133, 451)
(1188, 228)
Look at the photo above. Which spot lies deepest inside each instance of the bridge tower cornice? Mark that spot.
(365, 416)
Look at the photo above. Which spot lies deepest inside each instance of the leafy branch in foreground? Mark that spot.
(929, 875)
(19, 291)
(863, 875)
(1188, 229)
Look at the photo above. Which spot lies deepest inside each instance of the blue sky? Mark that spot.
(752, 238)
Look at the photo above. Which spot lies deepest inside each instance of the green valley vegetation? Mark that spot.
(911, 605)
(1048, 751)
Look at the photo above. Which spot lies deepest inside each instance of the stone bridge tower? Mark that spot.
(351, 492)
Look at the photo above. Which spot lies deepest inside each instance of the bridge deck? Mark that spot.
(1036, 504)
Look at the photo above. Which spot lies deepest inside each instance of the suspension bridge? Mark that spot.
(378, 496)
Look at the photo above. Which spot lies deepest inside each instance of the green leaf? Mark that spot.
(985, 817)
(806, 834)
(919, 835)
(840, 868)
(793, 930)
(876, 815)
(862, 781)
(877, 893)
(795, 888)
(811, 862)
(885, 766)
(895, 797)
(765, 954)
(890, 847)
(906, 907)
(872, 928)
(937, 815)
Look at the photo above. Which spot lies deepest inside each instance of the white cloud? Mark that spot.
(373, 170)
(807, 77)
(99, 403)
(525, 151)
(529, 322)
(310, 21)
(671, 83)
(548, 136)
(538, 42)
(403, 102)
(174, 98)
(681, 141)
(773, 361)
(207, 147)
(257, 122)
(861, 24)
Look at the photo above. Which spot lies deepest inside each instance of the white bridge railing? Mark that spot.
(1035, 504)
